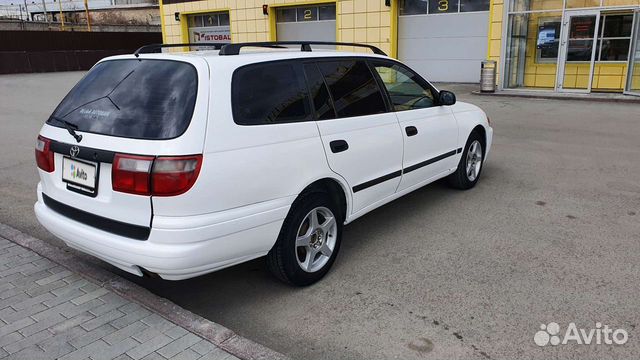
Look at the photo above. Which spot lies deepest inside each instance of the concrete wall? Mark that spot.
(15, 25)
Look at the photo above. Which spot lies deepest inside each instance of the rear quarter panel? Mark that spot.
(248, 165)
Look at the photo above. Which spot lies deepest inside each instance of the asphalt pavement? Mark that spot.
(550, 234)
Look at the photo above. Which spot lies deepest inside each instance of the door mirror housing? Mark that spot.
(446, 98)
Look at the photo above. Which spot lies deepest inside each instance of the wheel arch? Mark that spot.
(481, 131)
(338, 191)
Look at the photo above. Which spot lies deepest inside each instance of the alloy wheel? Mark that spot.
(316, 239)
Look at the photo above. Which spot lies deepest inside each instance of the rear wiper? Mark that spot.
(71, 128)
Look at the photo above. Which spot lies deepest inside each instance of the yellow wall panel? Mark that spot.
(569, 81)
(545, 81)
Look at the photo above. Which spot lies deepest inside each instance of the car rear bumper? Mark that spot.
(172, 251)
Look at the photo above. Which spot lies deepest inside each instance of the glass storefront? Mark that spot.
(633, 80)
(571, 45)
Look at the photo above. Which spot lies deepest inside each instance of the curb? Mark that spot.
(628, 99)
(219, 335)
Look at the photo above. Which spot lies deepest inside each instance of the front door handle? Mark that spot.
(411, 130)
(338, 146)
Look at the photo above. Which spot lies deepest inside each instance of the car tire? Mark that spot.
(309, 240)
(471, 162)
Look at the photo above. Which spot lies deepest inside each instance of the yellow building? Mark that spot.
(368, 21)
(557, 45)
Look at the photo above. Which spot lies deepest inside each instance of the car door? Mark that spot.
(429, 131)
(362, 139)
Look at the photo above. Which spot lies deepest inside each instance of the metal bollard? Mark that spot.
(488, 76)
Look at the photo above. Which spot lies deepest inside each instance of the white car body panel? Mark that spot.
(437, 135)
(250, 175)
(375, 149)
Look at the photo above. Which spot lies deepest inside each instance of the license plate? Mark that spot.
(80, 176)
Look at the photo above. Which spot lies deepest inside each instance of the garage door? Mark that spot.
(209, 28)
(313, 22)
(444, 40)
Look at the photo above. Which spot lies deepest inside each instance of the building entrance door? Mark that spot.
(633, 74)
(577, 50)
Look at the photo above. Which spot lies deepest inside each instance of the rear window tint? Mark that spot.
(319, 93)
(353, 88)
(270, 93)
(143, 99)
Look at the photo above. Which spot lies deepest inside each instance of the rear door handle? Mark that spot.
(338, 146)
(411, 130)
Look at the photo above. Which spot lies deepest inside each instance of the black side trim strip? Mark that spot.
(136, 232)
(377, 181)
(85, 153)
(431, 161)
(459, 150)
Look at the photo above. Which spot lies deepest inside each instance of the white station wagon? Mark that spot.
(179, 164)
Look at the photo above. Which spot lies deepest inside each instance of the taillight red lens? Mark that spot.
(148, 175)
(132, 174)
(174, 175)
(44, 155)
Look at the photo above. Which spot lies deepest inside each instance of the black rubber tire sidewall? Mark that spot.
(459, 179)
(282, 258)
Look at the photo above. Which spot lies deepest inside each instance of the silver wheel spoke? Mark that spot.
(308, 261)
(324, 250)
(328, 224)
(304, 240)
(313, 220)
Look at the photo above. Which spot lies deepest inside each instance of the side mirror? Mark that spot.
(446, 98)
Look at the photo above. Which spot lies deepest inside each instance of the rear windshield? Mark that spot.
(143, 99)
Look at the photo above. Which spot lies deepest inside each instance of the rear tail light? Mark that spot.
(44, 155)
(131, 174)
(161, 176)
(174, 175)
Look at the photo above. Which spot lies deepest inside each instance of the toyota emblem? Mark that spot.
(75, 150)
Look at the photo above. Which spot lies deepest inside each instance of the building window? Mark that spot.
(306, 13)
(548, 40)
(474, 5)
(614, 37)
(421, 7)
(209, 20)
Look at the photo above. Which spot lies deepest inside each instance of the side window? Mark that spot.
(319, 93)
(353, 88)
(405, 88)
(270, 93)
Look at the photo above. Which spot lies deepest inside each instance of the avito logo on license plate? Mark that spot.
(79, 175)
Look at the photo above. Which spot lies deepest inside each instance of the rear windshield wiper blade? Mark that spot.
(71, 128)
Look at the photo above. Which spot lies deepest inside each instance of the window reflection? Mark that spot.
(149, 99)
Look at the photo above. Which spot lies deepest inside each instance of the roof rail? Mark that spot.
(234, 48)
(151, 48)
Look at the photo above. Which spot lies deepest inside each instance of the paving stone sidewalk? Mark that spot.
(49, 312)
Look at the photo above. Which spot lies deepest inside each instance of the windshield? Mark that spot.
(143, 99)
